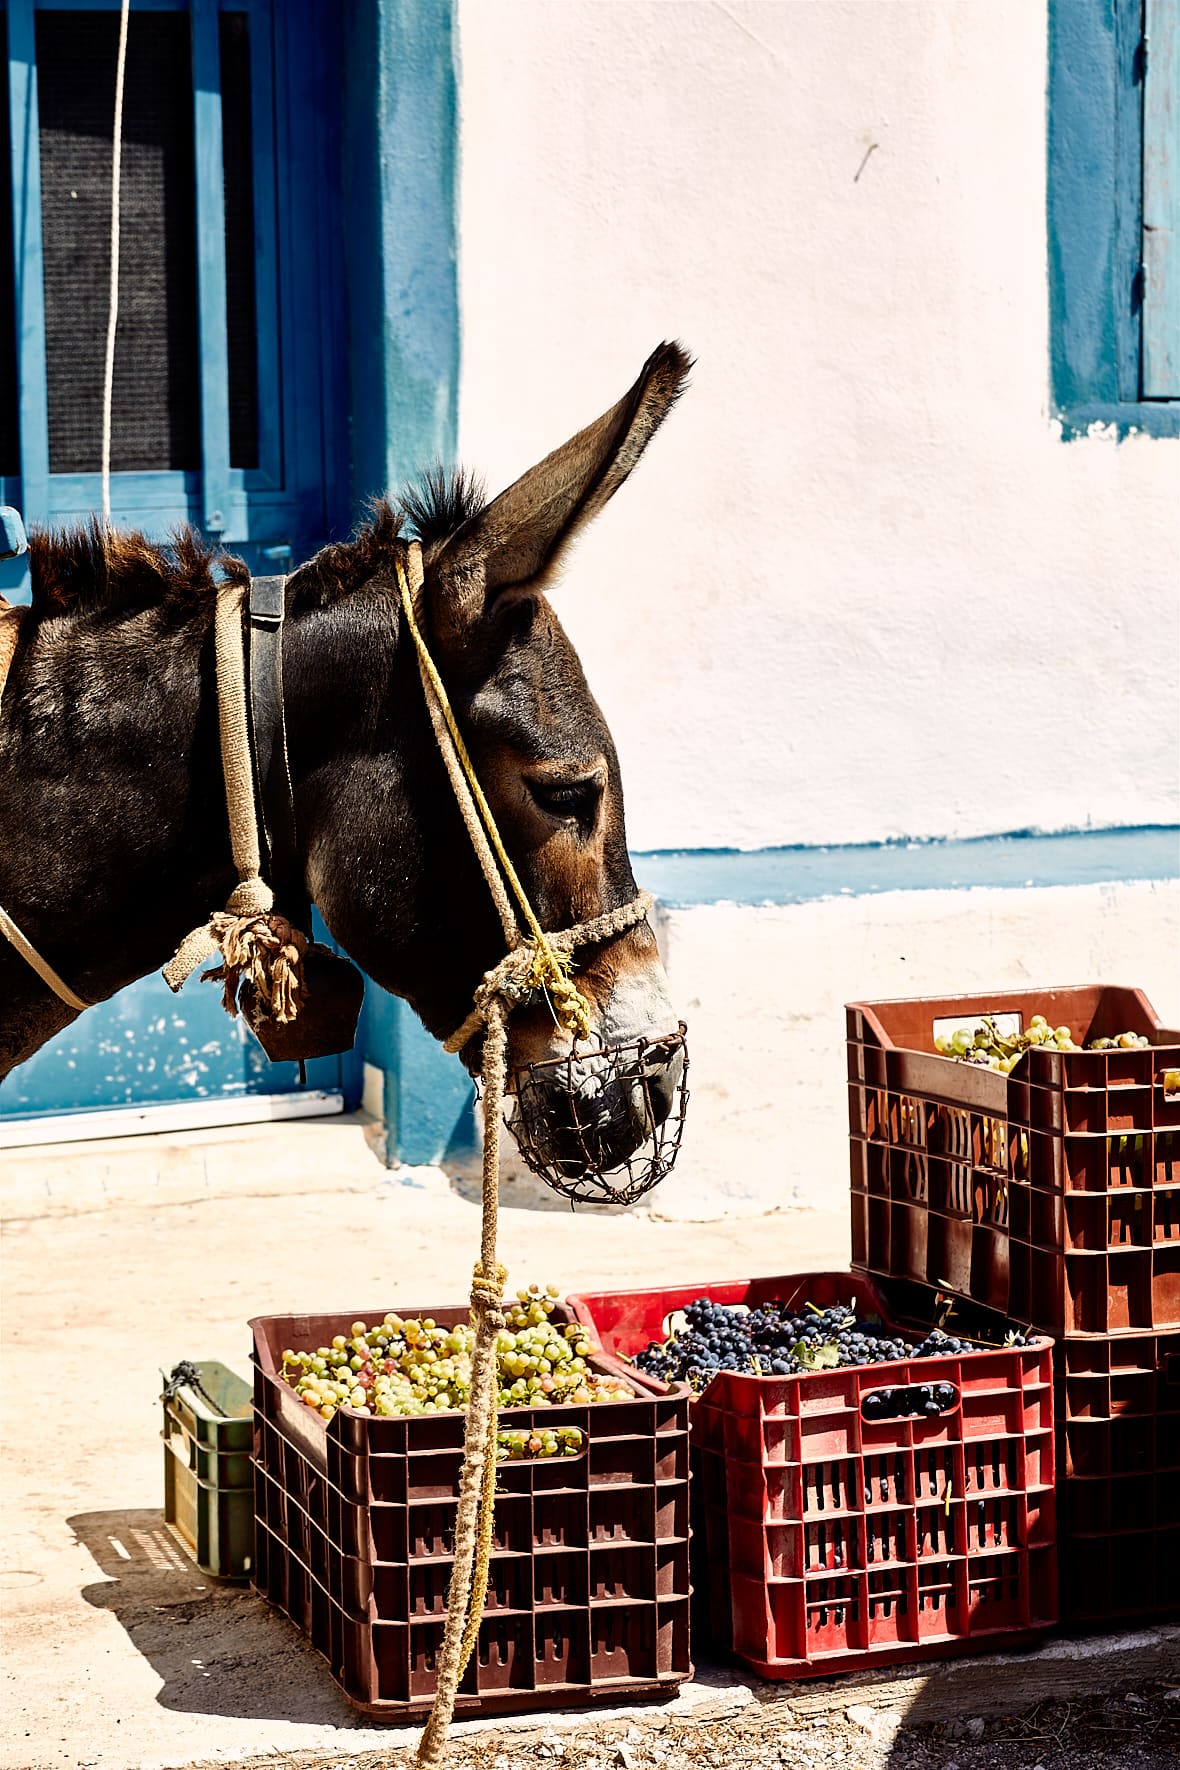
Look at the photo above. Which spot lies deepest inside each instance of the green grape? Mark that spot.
(412, 1366)
(988, 1048)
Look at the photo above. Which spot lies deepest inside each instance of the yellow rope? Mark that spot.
(551, 970)
(539, 963)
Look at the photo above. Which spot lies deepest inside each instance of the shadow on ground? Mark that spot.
(521, 1190)
(218, 1647)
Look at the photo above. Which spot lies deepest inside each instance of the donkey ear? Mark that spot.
(522, 534)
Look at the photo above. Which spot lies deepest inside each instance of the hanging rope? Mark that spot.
(10, 620)
(541, 962)
(108, 380)
(42, 967)
(255, 945)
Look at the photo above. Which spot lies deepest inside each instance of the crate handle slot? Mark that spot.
(183, 1448)
(907, 1402)
(565, 1460)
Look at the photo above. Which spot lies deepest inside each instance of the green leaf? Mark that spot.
(817, 1358)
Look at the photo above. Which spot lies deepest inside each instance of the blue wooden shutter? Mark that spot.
(1161, 202)
(266, 466)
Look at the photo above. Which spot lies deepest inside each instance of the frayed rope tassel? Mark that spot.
(260, 951)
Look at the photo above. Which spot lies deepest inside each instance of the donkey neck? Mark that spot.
(112, 824)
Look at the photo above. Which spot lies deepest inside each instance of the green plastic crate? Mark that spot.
(208, 1471)
(221, 1419)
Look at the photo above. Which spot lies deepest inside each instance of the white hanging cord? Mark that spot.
(108, 385)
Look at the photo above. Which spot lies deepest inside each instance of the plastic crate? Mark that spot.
(833, 1542)
(1052, 1194)
(208, 1471)
(213, 1432)
(1119, 1502)
(588, 1597)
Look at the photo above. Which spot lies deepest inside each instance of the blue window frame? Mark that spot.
(293, 489)
(1114, 214)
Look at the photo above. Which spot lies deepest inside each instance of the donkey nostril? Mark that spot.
(663, 1082)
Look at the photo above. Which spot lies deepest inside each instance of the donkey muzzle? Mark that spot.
(604, 1125)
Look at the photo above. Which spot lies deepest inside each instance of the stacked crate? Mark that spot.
(1052, 1196)
(588, 1590)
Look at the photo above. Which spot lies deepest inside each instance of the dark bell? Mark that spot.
(326, 1023)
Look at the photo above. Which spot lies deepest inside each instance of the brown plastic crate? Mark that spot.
(1117, 1408)
(588, 1596)
(1052, 1194)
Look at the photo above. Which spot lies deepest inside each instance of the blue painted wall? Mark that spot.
(1023, 859)
(399, 149)
(1094, 218)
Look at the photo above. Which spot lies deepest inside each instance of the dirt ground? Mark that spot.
(1135, 1730)
(120, 1655)
(122, 1257)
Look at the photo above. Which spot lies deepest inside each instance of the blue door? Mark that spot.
(228, 340)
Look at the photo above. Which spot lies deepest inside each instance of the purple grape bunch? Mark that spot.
(774, 1339)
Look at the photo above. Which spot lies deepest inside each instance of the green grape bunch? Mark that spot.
(989, 1048)
(407, 1366)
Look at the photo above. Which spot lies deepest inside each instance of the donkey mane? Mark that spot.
(89, 567)
(434, 509)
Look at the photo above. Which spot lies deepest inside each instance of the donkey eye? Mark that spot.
(568, 799)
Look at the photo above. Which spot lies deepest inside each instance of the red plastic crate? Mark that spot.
(832, 1542)
(1118, 1465)
(588, 1596)
(1051, 1195)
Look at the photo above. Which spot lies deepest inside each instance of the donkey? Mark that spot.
(113, 830)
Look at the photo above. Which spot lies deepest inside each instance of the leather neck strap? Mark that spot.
(272, 771)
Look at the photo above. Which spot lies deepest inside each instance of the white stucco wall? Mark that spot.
(763, 991)
(859, 588)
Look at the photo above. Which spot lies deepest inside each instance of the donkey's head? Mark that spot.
(389, 861)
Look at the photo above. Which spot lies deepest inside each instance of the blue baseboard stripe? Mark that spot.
(686, 878)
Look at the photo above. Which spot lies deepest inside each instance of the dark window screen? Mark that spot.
(237, 157)
(9, 419)
(156, 406)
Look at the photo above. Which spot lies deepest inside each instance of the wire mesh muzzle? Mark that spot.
(602, 1125)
